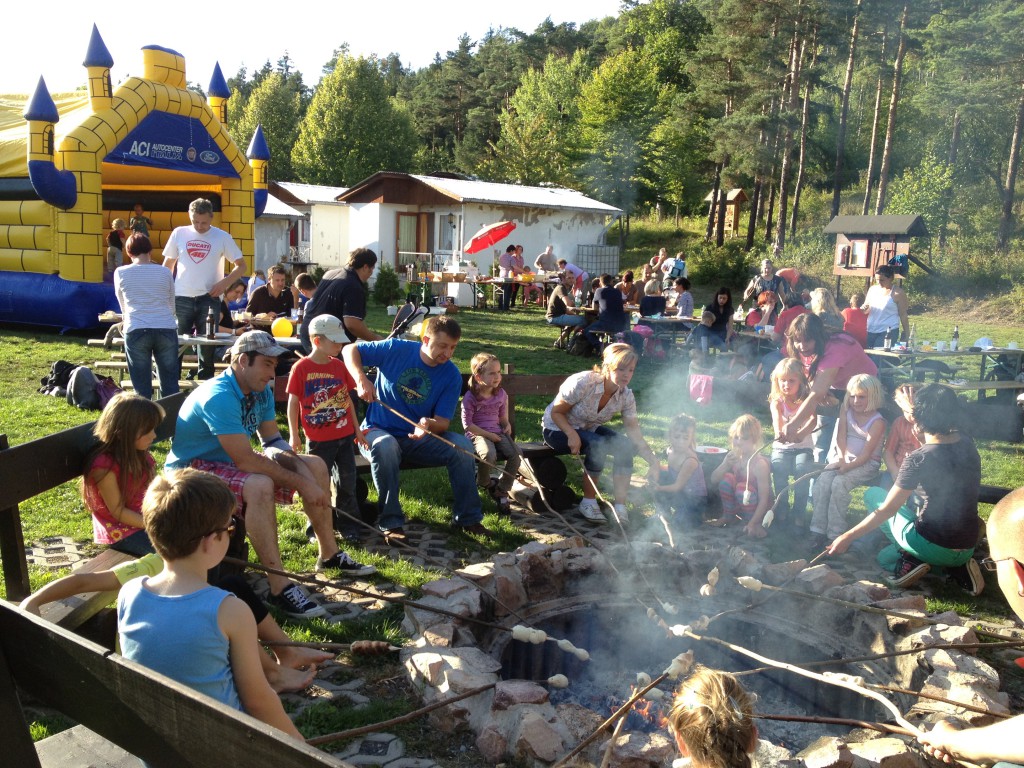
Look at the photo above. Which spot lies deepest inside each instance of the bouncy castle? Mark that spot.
(69, 167)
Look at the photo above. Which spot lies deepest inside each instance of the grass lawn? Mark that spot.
(520, 338)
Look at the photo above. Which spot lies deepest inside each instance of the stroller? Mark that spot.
(410, 313)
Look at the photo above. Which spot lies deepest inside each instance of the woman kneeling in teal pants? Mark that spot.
(930, 515)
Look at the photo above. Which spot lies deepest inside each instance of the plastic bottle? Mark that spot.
(911, 338)
(887, 343)
(955, 341)
(301, 313)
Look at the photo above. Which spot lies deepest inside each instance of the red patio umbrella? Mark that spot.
(488, 236)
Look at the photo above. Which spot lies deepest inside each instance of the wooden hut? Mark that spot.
(733, 200)
(864, 243)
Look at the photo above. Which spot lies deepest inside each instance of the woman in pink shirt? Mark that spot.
(830, 361)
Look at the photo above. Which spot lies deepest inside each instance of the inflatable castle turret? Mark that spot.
(89, 159)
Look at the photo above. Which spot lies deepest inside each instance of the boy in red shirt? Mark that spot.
(855, 322)
(318, 394)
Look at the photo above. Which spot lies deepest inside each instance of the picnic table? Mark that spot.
(918, 363)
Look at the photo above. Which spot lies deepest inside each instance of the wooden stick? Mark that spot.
(611, 720)
(880, 727)
(363, 592)
(891, 654)
(611, 742)
(353, 732)
(837, 681)
(944, 700)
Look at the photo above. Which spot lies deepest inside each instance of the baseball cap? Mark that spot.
(330, 327)
(260, 342)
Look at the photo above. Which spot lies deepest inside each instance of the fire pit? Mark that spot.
(600, 600)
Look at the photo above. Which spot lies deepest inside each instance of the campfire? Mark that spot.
(610, 622)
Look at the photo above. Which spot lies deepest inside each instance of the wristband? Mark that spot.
(277, 442)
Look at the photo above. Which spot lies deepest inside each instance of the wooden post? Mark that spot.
(12, 548)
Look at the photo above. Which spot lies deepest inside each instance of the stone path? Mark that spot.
(386, 749)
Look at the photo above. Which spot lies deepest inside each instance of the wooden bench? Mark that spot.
(123, 709)
(37, 466)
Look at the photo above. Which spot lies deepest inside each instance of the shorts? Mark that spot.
(235, 478)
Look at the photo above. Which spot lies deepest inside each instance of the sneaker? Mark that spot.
(591, 510)
(311, 534)
(294, 602)
(622, 513)
(909, 570)
(969, 577)
(340, 561)
(476, 529)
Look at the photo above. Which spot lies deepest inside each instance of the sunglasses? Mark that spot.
(229, 529)
(993, 565)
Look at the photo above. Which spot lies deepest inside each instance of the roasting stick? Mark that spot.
(519, 632)
(384, 725)
(476, 458)
(359, 647)
(892, 654)
(612, 719)
(755, 585)
(855, 684)
(668, 607)
(879, 727)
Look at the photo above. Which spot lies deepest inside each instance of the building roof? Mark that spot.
(294, 193)
(487, 192)
(911, 225)
(731, 196)
(276, 209)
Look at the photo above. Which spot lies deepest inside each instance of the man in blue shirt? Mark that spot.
(419, 381)
(214, 433)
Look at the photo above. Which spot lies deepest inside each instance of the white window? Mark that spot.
(447, 234)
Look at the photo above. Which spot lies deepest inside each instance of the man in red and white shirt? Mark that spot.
(198, 252)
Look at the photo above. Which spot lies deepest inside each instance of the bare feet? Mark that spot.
(287, 680)
(297, 658)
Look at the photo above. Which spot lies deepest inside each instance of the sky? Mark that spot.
(248, 33)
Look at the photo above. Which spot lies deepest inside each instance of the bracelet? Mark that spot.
(277, 442)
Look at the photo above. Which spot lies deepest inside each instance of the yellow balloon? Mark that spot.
(282, 328)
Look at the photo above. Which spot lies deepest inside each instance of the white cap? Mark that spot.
(329, 327)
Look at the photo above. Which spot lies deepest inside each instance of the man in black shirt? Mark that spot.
(342, 293)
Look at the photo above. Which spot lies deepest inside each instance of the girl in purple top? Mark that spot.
(485, 420)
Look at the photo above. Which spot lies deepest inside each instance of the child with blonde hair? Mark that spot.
(854, 458)
(903, 436)
(712, 720)
(744, 479)
(485, 420)
(792, 458)
(681, 486)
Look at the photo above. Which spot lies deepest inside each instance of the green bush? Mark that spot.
(386, 290)
(729, 265)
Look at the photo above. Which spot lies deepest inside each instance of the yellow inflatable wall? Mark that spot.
(67, 158)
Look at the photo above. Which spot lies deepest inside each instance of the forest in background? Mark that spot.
(813, 107)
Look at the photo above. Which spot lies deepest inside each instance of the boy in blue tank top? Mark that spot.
(177, 624)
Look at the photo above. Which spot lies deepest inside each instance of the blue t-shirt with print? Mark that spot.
(408, 385)
(217, 407)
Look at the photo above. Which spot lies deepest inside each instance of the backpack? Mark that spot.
(56, 381)
(88, 391)
(578, 345)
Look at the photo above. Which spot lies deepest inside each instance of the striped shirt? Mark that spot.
(146, 295)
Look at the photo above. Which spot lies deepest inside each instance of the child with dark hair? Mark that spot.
(943, 477)
(118, 470)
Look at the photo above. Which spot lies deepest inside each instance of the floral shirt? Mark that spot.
(583, 391)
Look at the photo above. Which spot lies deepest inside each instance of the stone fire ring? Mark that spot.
(516, 720)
